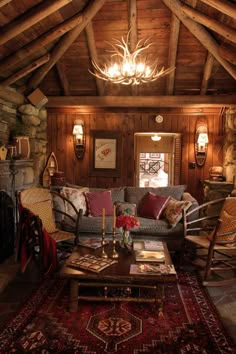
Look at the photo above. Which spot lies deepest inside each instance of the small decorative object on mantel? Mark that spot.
(49, 170)
(22, 147)
(58, 179)
(3, 152)
(216, 173)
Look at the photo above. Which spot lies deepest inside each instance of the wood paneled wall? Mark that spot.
(128, 122)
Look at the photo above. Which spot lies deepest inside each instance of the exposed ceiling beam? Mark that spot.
(11, 96)
(93, 54)
(25, 71)
(173, 47)
(142, 101)
(38, 43)
(207, 73)
(26, 21)
(224, 6)
(200, 33)
(65, 43)
(228, 52)
(212, 24)
(63, 78)
(4, 2)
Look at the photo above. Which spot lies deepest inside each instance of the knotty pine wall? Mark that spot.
(128, 122)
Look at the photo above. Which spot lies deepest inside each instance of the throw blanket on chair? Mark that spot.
(32, 237)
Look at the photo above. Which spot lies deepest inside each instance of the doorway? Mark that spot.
(157, 163)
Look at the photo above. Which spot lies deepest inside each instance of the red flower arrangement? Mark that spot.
(127, 222)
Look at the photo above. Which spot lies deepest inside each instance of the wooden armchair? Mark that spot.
(38, 229)
(217, 235)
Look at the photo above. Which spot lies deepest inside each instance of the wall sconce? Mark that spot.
(79, 138)
(201, 142)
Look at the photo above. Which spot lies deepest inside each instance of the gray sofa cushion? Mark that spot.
(135, 194)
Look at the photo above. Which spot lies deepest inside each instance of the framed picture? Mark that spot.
(105, 153)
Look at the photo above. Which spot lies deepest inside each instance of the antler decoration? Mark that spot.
(126, 67)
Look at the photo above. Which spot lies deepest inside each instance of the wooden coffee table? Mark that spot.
(115, 276)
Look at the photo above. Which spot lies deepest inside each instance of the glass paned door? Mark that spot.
(153, 169)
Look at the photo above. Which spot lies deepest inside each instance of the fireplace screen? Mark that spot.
(7, 226)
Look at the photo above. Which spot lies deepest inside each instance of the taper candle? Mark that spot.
(114, 217)
(103, 218)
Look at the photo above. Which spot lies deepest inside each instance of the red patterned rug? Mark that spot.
(189, 324)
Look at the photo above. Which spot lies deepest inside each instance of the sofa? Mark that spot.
(169, 201)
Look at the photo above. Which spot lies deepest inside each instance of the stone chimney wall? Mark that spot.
(33, 123)
(229, 162)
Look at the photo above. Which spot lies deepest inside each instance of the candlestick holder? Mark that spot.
(114, 253)
(103, 255)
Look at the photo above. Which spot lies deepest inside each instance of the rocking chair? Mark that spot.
(216, 234)
(38, 229)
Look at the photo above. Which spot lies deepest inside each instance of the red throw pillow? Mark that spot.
(152, 205)
(96, 201)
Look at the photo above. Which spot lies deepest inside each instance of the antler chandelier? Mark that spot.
(126, 67)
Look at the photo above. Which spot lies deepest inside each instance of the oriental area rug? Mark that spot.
(189, 323)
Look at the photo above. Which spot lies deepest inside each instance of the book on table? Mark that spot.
(152, 269)
(93, 243)
(148, 245)
(90, 262)
(149, 256)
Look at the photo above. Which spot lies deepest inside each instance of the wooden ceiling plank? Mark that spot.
(207, 73)
(142, 101)
(201, 34)
(26, 21)
(11, 96)
(58, 51)
(93, 54)
(63, 78)
(4, 2)
(173, 47)
(25, 71)
(228, 52)
(212, 24)
(38, 43)
(222, 6)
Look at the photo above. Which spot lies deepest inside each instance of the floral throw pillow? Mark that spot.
(173, 211)
(125, 208)
(77, 197)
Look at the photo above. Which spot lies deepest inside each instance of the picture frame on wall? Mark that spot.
(105, 153)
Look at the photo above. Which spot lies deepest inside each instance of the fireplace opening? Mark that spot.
(7, 226)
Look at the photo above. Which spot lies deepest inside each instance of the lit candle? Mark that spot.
(114, 217)
(103, 218)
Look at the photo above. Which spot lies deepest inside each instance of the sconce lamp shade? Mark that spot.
(201, 141)
(79, 138)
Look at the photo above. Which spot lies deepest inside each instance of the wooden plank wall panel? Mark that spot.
(77, 171)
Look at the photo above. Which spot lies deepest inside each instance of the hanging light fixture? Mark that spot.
(129, 68)
(156, 137)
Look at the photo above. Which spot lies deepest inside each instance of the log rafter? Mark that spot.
(43, 40)
(65, 42)
(35, 15)
(207, 73)
(4, 2)
(63, 78)
(173, 47)
(200, 33)
(132, 18)
(25, 71)
(226, 31)
(223, 6)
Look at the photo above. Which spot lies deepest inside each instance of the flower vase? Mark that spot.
(126, 240)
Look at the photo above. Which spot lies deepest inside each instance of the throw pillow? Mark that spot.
(125, 208)
(44, 211)
(174, 211)
(77, 197)
(152, 205)
(96, 201)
